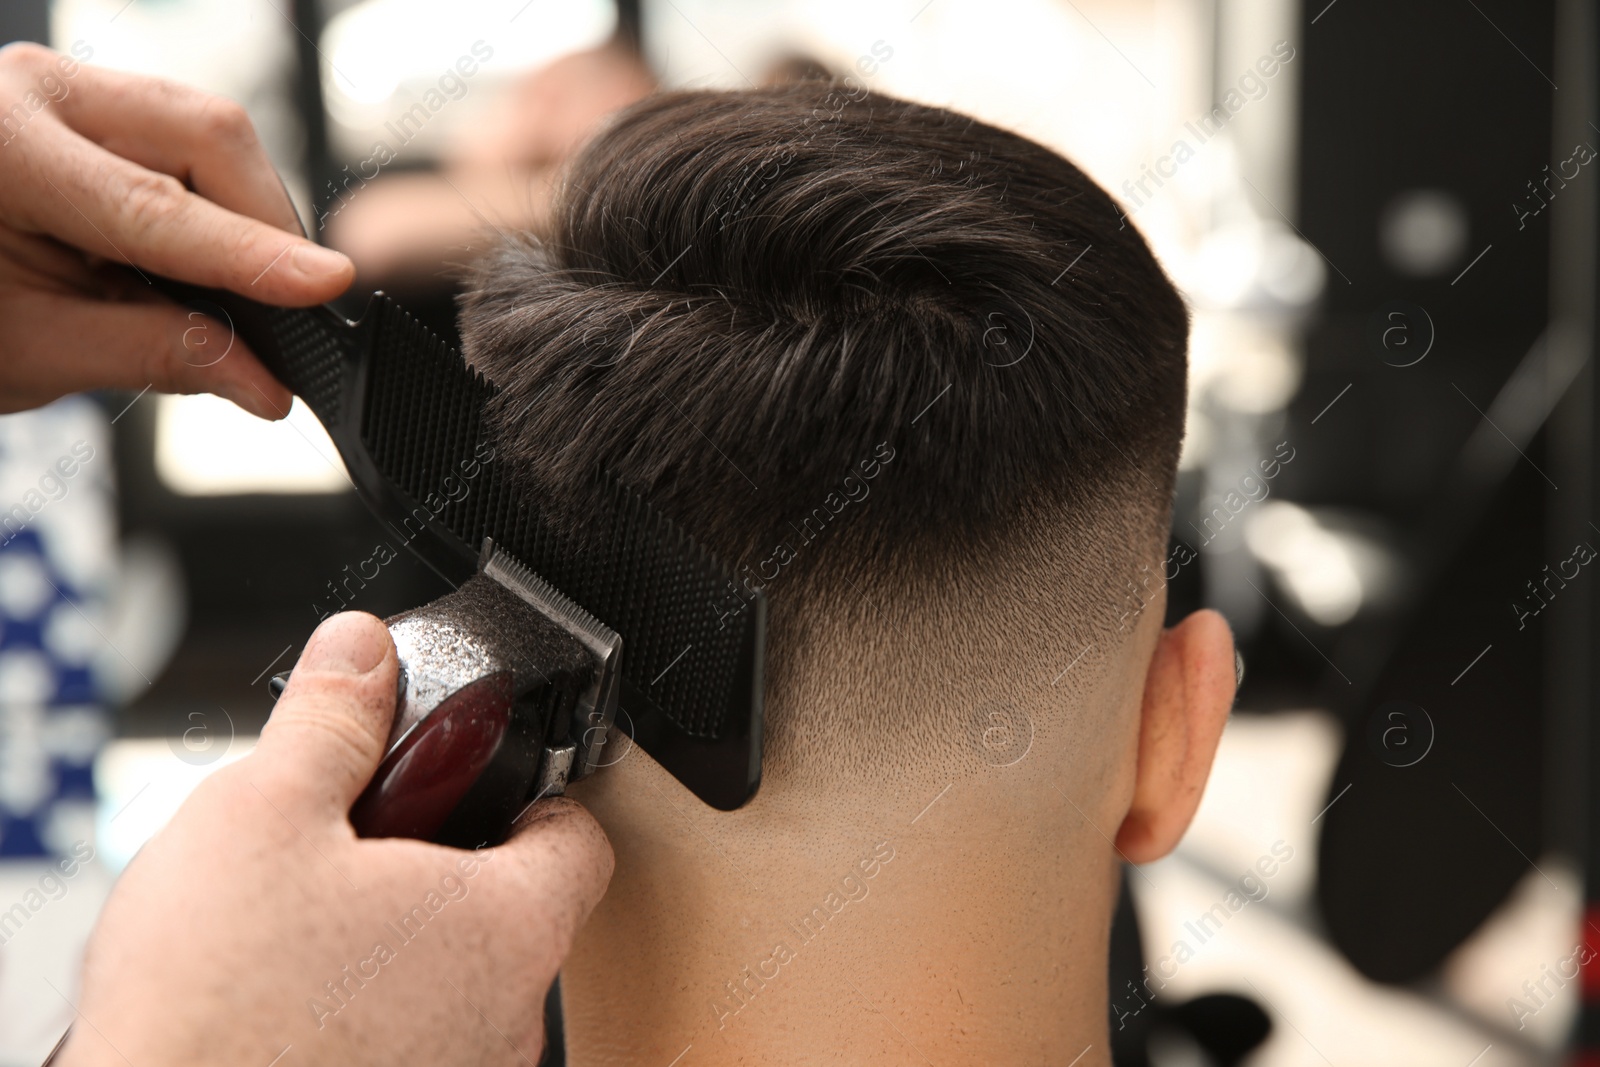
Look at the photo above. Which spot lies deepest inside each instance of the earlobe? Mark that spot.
(1188, 693)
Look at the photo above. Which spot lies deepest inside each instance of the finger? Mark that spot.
(559, 863)
(328, 730)
(84, 195)
(207, 142)
(59, 343)
(45, 263)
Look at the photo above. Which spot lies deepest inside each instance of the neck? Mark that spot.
(930, 927)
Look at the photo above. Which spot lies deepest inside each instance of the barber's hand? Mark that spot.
(257, 920)
(101, 167)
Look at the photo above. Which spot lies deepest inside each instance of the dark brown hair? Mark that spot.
(746, 298)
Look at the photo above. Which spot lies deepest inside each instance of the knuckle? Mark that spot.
(329, 718)
(158, 362)
(226, 123)
(162, 365)
(24, 56)
(150, 201)
(249, 245)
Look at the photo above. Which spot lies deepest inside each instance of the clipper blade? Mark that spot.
(597, 704)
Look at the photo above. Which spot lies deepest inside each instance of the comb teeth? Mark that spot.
(422, 422)
(423, 411)
(312, 361)
(665, 573)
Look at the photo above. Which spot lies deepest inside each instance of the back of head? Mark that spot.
(912, 374)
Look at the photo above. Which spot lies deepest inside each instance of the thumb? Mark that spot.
(328, 730)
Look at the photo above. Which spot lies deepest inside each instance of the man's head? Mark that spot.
(851, 344)
(916, 377)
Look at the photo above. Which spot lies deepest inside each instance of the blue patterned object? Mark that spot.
(57, 566)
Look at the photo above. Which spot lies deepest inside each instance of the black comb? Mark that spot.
(406, 413)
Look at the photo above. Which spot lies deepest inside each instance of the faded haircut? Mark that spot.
(838, 335)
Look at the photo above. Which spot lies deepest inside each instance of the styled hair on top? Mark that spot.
(831, 329)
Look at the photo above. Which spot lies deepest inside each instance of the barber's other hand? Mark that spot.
(257, 921)
(99, 167)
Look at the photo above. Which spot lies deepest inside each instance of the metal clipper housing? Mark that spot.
(507, 691)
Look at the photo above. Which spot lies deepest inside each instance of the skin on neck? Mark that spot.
(926, 905)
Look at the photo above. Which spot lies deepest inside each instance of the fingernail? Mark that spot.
(349, 643)
(251, 401)
(315, 261)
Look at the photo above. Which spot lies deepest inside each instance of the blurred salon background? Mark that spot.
(1383, 218)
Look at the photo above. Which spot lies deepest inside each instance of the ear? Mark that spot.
(1188, 692)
